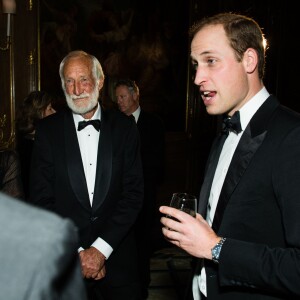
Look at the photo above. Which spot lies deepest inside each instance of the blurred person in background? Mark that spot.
(37, 105)
(152, 135)
(38, 254)
(10, 174)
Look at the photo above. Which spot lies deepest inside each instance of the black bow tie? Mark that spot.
(95, 123)
(232, 124)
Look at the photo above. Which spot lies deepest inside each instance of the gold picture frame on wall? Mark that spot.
(7, 107)
(19, 63)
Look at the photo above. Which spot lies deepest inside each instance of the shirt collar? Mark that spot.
(136, 114)
(250, 108)
(97, 116)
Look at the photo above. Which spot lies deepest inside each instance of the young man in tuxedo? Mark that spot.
(38, 254)
(86, 166)
(246, 235)
(152, 135)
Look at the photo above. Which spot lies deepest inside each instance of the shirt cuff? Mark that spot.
(103, 247)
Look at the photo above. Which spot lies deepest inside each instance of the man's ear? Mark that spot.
(250, 60)
(100, 85)
(134, 96)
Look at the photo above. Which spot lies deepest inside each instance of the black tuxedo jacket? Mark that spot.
(58, 183)
(259, 212)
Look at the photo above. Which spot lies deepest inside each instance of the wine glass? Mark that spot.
(185, 202)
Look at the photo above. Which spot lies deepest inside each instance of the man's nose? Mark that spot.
(200, 76)
(77, 89)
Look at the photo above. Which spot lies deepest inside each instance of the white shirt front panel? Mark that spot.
(88, 139)
(136, 114)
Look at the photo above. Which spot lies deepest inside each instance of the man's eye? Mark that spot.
(69, 82)
(211, 61)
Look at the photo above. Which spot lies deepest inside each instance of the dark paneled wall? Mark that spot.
(19, 65)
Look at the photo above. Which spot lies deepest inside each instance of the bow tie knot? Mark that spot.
(232, 124)
(95, 123)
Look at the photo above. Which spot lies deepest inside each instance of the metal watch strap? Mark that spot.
(216, 250)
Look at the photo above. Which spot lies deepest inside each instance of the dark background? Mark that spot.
(148, 42)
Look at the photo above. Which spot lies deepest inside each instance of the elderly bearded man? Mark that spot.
(86, 166)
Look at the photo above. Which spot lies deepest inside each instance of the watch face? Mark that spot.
(216, 250)
(216, 253)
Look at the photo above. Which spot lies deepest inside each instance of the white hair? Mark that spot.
(96, 66)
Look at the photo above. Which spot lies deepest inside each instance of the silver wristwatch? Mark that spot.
(216, 250)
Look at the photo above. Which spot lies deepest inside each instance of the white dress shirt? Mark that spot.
(88, 139)
(246, 113)
(136, 114)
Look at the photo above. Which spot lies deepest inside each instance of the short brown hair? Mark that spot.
(242, 33)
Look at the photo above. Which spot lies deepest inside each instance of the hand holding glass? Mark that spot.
(185, 202)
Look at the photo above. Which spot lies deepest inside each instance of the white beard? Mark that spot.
(90, 105)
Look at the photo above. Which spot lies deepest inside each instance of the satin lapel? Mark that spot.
(209, 174)
(240, 160)
(104, 162)
(251, 140)
(141, 121)
(74, 162)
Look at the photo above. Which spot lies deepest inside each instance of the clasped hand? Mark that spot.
(92, 263)
(193, 235)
